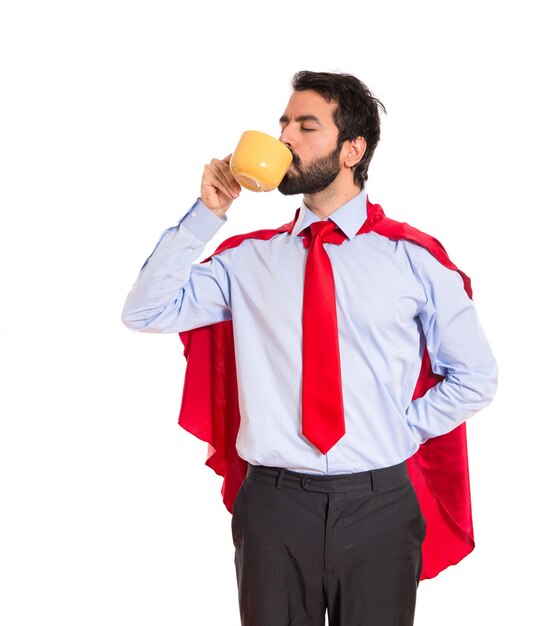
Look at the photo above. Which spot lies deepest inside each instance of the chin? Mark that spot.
(287, 188)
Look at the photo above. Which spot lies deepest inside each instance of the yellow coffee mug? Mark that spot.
(260, 161)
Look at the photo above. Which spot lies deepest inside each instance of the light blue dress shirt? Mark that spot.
(391, 295)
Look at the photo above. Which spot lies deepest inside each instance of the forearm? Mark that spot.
(163, 298)
(452, 401)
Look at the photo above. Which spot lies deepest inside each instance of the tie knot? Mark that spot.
(324, 230)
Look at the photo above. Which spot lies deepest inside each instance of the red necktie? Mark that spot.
(323, 422)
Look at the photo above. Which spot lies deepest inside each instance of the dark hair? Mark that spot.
(356, 115)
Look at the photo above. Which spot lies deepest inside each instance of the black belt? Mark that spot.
(370, 479)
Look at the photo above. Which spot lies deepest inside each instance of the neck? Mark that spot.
(325, 202)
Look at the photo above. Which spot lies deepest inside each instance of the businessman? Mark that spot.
(332, 317)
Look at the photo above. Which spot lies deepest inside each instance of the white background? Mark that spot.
(109, 110)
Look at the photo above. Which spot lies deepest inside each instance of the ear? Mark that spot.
(356, 150)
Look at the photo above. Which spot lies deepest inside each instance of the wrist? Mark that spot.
(219, 212)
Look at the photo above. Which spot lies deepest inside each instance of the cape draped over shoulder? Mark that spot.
(439, 470)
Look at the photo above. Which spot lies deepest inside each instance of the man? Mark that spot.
(327, 518)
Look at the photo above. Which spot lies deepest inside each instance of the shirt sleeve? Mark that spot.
(171, 293)
(458, 350)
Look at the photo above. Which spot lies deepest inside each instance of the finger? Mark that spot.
(227, 158)
(213, 197)
(230, 178)
(226, 184)
(216, 178)
(225, 172)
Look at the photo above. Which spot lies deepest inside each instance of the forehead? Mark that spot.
(306, 103)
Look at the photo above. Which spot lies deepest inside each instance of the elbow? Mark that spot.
(482, 387)
(493, 382)
(129, 320)
(134, 320)
(489, 383)
(145, 320)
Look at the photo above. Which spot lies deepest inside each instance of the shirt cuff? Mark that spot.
(201, 222)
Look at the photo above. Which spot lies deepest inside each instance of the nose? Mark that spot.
(286, 137)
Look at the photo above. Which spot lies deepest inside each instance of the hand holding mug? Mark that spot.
(258, 163)
(219, 188)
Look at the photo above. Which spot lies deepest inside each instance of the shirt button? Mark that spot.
(193, 213)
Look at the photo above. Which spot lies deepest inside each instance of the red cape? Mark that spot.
(439, 470)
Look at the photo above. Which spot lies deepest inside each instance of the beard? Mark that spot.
(311, 178)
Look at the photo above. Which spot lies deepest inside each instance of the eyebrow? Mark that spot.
(301, 118)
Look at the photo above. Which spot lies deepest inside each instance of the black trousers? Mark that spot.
(348, 544)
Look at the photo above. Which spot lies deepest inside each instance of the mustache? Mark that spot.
(296, 159)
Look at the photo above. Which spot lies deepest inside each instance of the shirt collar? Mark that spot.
(349, 217)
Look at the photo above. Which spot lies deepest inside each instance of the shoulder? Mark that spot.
(418, 245)
(402, 231)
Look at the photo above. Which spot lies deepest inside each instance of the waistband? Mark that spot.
(333, 483)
